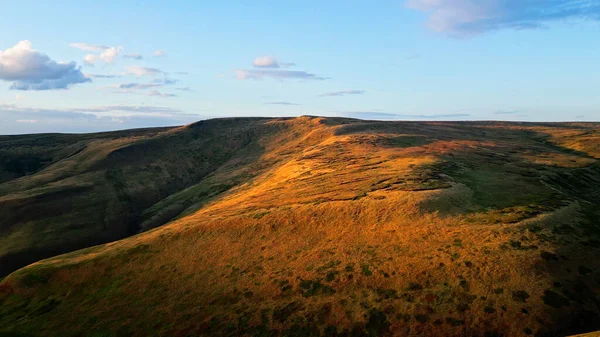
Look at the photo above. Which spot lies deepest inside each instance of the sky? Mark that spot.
(87, 66)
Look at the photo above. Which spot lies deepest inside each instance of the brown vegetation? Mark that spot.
(321, 226)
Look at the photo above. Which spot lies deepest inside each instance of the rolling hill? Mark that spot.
(303, 226)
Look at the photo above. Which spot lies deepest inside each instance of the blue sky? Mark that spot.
(81, 66)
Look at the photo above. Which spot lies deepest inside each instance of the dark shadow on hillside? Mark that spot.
(573, 302)
(501, 179)
(131, 179)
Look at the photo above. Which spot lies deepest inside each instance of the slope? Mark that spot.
(73, 191)
(350, 227)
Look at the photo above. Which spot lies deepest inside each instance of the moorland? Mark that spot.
(307, 226)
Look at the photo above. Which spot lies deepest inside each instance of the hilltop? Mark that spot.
(303, 226)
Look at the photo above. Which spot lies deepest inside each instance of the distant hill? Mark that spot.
(303, 226)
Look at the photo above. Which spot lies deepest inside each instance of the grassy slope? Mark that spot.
(97, 188)
(335, 226)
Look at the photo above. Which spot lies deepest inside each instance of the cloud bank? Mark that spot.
(470, 17)
(29, 69)
(19, 119)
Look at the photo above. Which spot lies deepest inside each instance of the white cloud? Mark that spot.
(269, 68)
(259, 74)
(468, 17)
(134, 56)
(143, 71)
(281, 103)
(88, 47)
(270, 62)
(343, 93)
(265, 62)
(156, 93)
(29, 69)
(165, 81)
(95, 111)
(19, 119)
(138, 89)
(107, 54)
(159, 53)
(129, 109)
(101, 76)
(90, 59)
(139, 86)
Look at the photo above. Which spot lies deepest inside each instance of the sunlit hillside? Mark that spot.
(303, 226)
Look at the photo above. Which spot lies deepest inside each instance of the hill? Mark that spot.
(303, 226)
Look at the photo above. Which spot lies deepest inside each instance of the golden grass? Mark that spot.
(381, 232)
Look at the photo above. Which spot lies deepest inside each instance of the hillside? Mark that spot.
(66, 192)
(303, 226)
